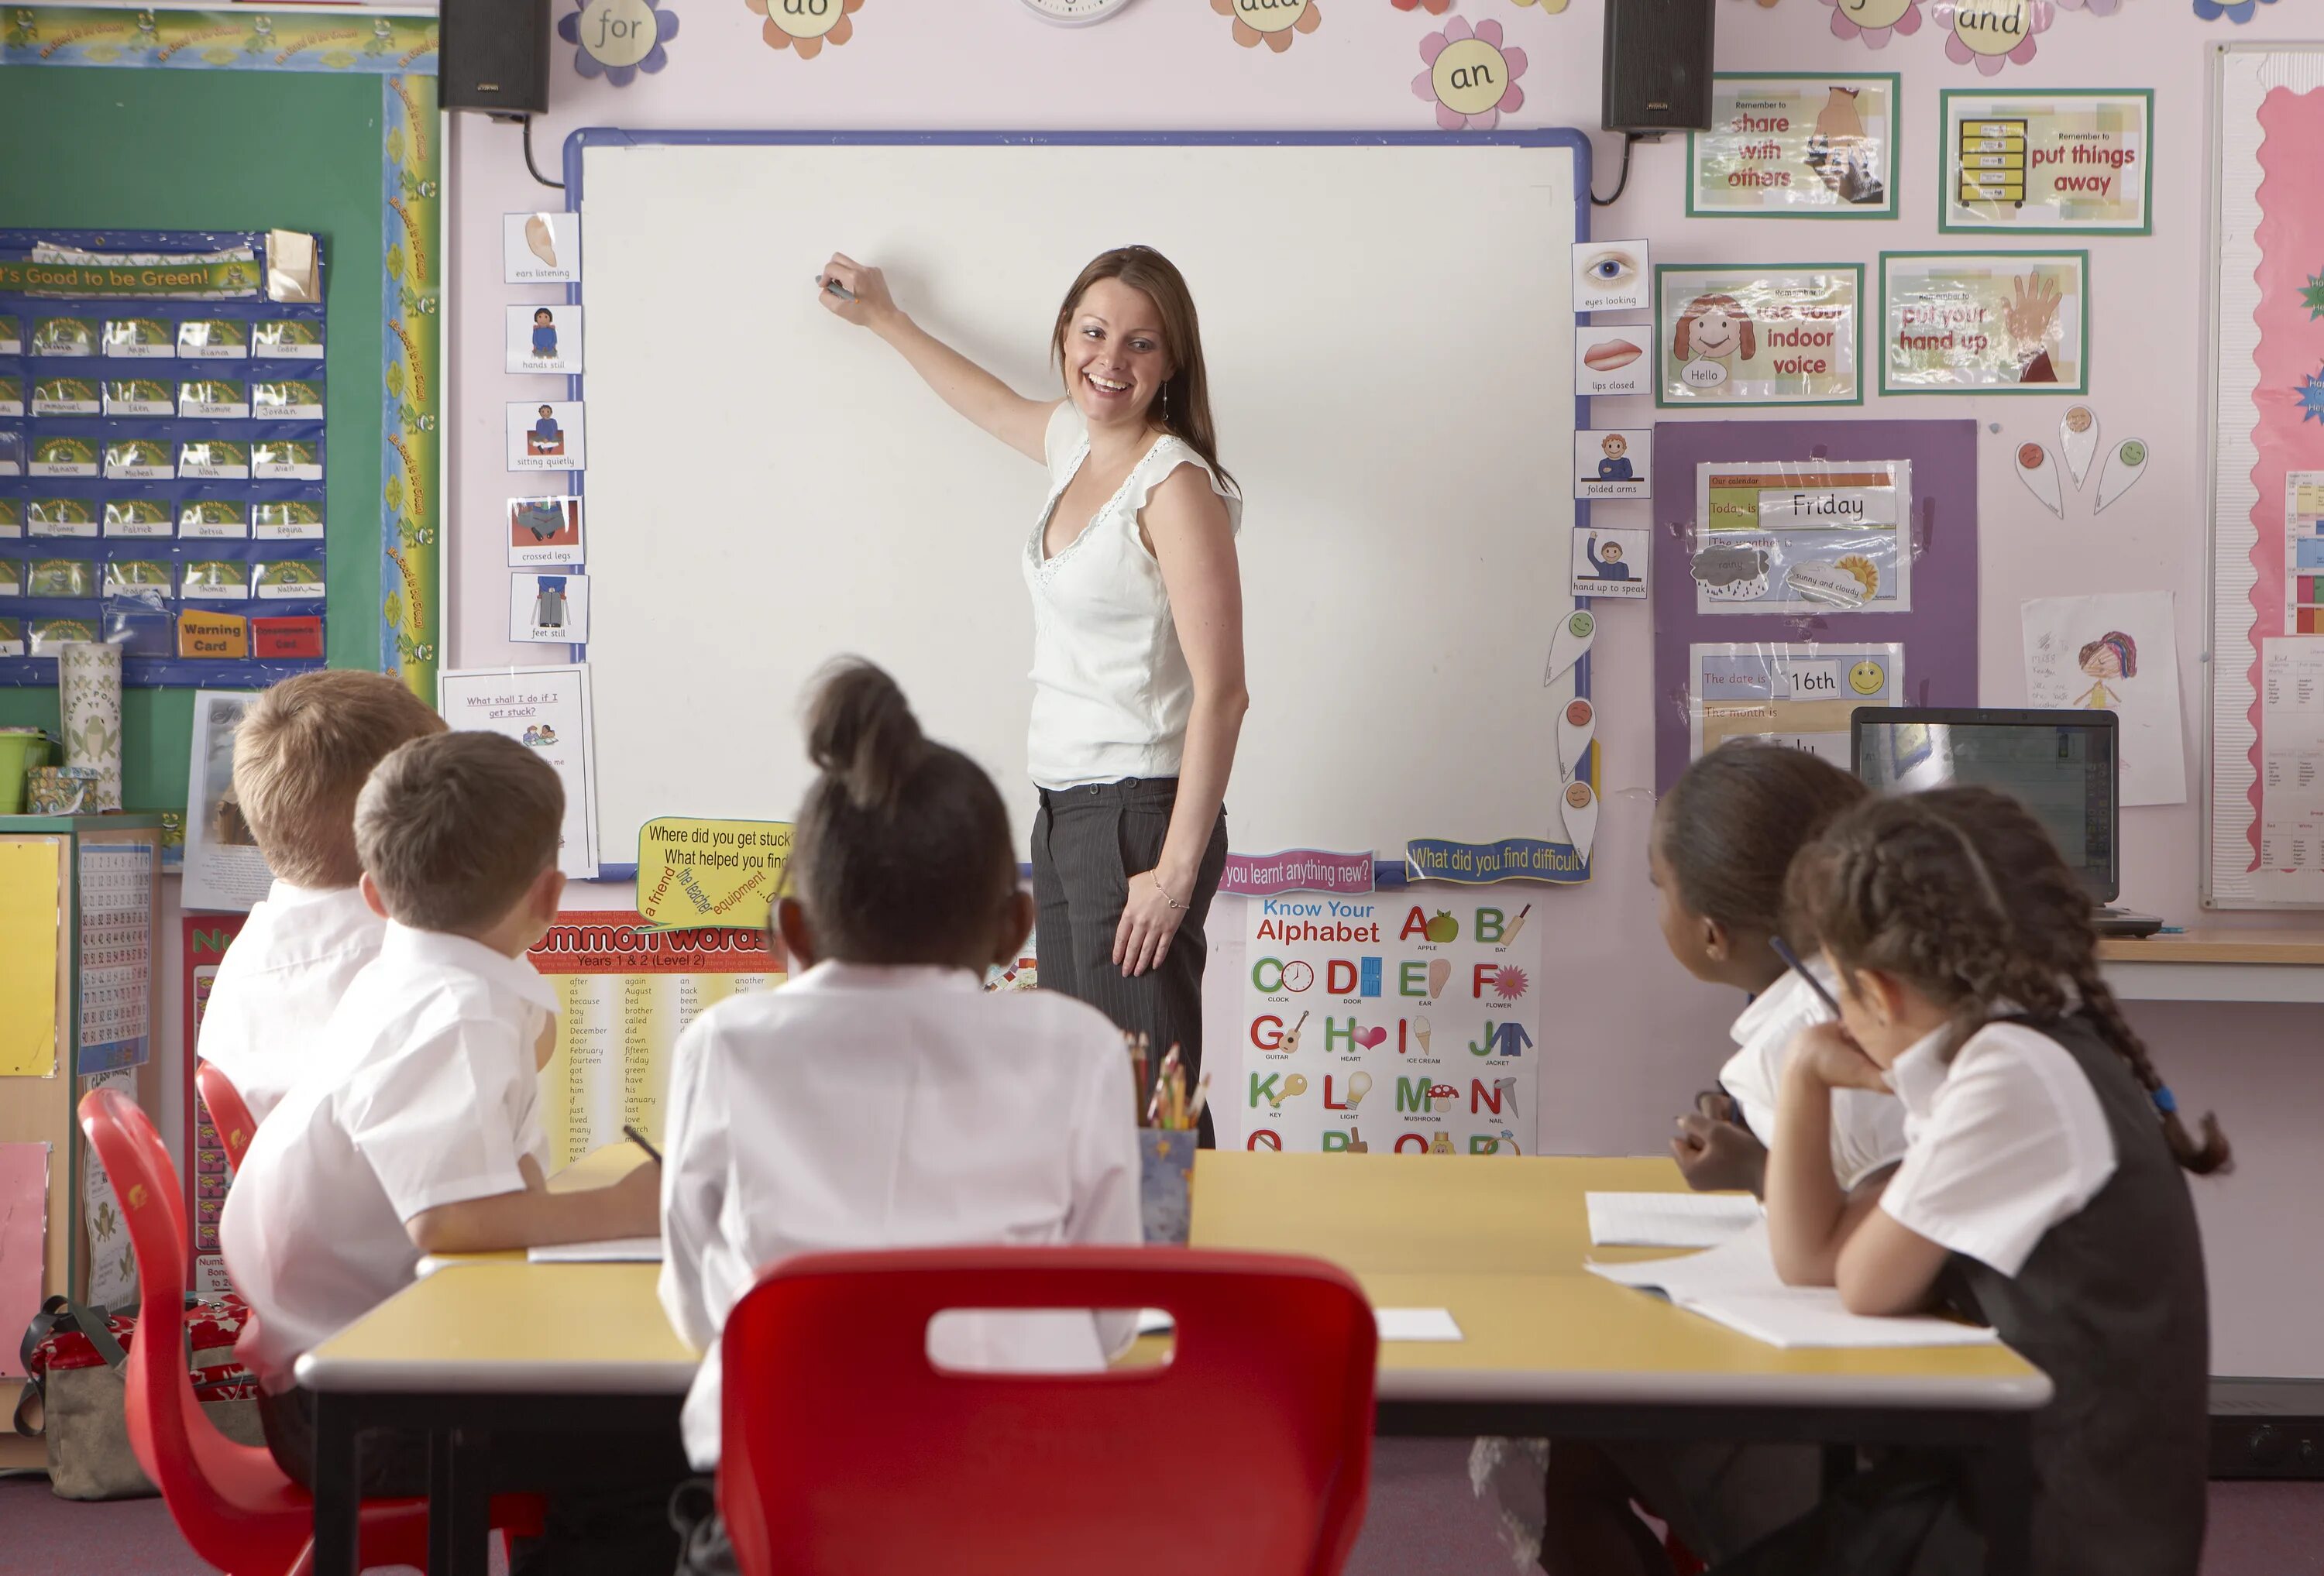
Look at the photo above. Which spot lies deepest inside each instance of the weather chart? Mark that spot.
(1383, 1023)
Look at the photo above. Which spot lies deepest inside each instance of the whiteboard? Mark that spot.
(1388, 326)
(2242, 77)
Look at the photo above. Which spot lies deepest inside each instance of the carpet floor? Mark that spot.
(1422, 1522)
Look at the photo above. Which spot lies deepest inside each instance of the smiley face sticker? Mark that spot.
(1867, 678)
(1576, 725)
(1570, 644)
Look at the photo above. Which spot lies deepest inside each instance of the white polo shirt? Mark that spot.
(2006, 1142)
(867, 1107)
(277, 985)
(423, 1092)
(1867, 1130)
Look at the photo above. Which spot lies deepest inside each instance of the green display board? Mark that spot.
(93, 147)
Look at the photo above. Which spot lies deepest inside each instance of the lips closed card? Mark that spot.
(1613, 361)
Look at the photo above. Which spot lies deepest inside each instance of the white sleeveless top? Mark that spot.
(1110, 688)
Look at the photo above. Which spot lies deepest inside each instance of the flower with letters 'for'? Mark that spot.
(1471, 78)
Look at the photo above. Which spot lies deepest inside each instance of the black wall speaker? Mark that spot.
(1657, 65)
(495, 56)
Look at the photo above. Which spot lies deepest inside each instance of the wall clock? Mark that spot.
(1075, 12)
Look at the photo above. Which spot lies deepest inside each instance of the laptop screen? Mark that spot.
(2059, 764)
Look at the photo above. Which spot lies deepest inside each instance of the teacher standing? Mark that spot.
(1137, 652)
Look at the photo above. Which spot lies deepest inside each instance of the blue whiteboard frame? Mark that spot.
(1388, 873)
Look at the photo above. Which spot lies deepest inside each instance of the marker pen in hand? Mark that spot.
(835, 288)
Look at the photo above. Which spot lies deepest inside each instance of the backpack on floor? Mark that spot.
(76, 1395)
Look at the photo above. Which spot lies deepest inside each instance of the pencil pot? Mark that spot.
(1166, 1173)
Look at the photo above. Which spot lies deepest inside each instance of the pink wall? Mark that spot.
(1640, 1035)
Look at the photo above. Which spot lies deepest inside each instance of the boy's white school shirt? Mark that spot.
(1867, 1129)
(2007, 1141)
(868, 1108)
(424, 1092)
(278, 983)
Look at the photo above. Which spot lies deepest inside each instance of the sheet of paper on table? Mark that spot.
(1416, 1324)
(1670, 1220)
(612, 1250)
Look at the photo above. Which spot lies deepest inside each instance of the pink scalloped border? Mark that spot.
(2291, 348)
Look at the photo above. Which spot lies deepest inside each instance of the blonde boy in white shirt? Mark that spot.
(415, 1131)
(301, 757)
(883, 1099)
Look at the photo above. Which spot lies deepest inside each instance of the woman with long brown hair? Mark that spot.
(1138, 651)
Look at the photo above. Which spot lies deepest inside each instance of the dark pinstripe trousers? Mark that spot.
(1087, 843)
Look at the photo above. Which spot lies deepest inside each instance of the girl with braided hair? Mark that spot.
(2040, 1190)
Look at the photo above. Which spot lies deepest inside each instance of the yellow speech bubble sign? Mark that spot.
(694, 874)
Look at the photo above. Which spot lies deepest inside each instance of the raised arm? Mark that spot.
(1016, 421)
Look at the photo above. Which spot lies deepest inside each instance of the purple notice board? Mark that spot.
(1940, 634)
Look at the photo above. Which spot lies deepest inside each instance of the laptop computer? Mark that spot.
(2065, 766)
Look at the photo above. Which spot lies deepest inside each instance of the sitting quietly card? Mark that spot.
(545, 436)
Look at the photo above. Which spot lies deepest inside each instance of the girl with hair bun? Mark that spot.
(2041, 1189)
(884, 1098)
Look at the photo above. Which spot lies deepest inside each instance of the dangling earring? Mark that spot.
(1166, 404)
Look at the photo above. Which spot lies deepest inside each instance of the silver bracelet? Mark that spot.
(1167, 898)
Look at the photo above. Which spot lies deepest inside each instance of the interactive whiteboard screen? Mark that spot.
(1389, 331)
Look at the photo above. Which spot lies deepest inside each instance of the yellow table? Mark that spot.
(1548, 1348)
(1501, 1243)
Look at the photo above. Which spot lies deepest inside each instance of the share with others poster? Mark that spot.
(1390, 1023)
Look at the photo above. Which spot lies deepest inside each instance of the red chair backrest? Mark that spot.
(844, 1449)
(229, 1112)
(162, 1412)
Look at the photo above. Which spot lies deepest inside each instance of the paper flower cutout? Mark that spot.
(2095, 7)
(618, 38)
(805, 25)
(1991, 32)
(1433, 7)
(2311, 398)
(1553, 7)
(1271, 22)
(2237, 11)
(1874, 20)
(1471, 77)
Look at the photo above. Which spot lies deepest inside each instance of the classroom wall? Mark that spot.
(1639, 1036)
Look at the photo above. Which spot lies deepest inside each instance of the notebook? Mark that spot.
(1736, 1285)
(1669, 1219)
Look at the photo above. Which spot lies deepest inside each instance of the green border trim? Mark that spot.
(411, 453)
(1894, 208)
(1661, 337)
(1945, 225)
(2005, 389)
(218, 40)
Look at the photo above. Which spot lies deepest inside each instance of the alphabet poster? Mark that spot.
(1741, 334)
(1825, 537)
(2048, 163)
(2117, 652)
(1803, 696)
(1390, 1023)
(1795, 147)
(1979, 322)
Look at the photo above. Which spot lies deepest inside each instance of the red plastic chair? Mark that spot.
(846, 1451)
(229, 1114)
(236, 1508)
